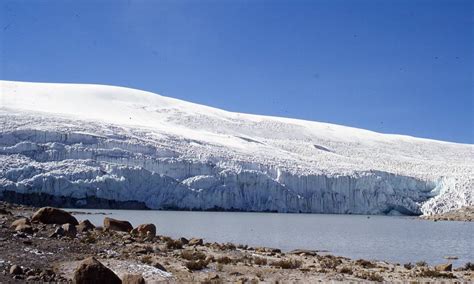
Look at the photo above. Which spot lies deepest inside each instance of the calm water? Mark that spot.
(390, 238)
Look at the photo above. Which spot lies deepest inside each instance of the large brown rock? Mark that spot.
(133, 279)
(117, 225)
(21, 221)
(85, 226)
(444, 267)
(50, 215)
(144, 230)
(91, 271)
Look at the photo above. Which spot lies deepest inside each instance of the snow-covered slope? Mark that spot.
(81, 141)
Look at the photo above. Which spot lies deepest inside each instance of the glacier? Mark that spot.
(83, 142)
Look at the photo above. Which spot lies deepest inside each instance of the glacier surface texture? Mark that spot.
(92, 141)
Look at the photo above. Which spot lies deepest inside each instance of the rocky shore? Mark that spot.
(50, 245)
(465, 214)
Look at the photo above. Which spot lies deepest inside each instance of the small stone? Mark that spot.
(304, 252)
(85, 226)
(32, 278)
(133, 279)
(69, 230)
(184, 241)
(16, 270)
(158, 265)
(21, 235)
(213, 276)
(195, 242)
(59, 232)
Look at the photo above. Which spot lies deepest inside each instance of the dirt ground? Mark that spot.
(162, 259)
(465, 214)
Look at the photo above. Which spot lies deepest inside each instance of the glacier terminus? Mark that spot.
(93, 145)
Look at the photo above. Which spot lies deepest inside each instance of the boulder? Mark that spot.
(69, 230)
(50, 215)
(145, 230)
(117, 225)
(91, 271)
(444, 267)
(133, 279)
(21, 221)
(183, 241)
(27, 229)
(195, 242)
(85, 226)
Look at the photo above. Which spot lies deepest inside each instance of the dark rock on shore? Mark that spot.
(304, 252)
(50, 215)
(195, 242)
(144, 230)
(85, 226)
(117, 225)
(183, 240)
(91, 271)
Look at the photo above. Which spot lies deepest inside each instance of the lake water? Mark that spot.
(389, 238)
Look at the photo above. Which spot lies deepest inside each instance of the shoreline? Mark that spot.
(464, 214)
(42, 254)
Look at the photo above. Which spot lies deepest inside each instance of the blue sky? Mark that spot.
(402, 66)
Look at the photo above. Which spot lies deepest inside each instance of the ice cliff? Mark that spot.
(81, 141)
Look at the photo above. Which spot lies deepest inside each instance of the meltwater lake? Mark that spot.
(396, 239)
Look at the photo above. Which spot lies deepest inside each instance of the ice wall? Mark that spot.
(81, 165)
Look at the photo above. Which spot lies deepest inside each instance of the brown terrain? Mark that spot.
(463, 214)
(49, 245)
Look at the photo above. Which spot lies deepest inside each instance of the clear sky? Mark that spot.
(402, 66)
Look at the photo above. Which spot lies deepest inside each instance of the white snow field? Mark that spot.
(81, 141)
